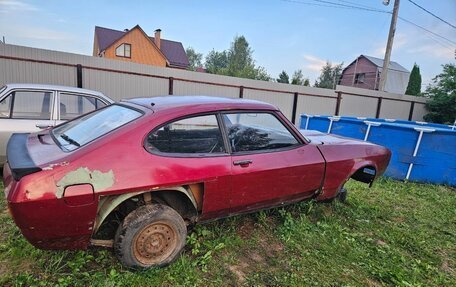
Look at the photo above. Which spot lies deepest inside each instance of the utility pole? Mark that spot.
(389, 46)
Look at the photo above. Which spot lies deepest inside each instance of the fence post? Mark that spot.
(79, 75)
(412, 107)
(339, 99)
(379, 106)
(295, 106)
(171, 86)
(241, 92)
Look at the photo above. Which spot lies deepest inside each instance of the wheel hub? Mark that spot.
(154, 243)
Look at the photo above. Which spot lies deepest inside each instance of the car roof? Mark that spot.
(203, 102)
(57, 88)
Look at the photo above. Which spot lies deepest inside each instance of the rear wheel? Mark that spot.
(152, 235)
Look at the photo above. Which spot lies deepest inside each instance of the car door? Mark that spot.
(72, 105)
(23, 111)
(270, 165)
(192, 150)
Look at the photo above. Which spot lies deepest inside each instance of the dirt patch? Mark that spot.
(381, 242)
(239, 270)
(399, 219)
(259, 257)
(372, 283)
(446, 264)
(256, 257)
(245, 231)
(3, 269)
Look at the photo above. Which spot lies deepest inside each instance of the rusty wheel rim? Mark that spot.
(154, 243)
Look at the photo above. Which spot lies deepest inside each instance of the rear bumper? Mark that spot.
(46, 221)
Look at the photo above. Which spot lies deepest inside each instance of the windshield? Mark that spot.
(78, 132)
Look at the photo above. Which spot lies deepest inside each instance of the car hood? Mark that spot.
(319, 138)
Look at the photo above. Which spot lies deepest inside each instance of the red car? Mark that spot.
(136, 174)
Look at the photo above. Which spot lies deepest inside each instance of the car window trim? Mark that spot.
(77, 94)
(187, 155)
(12, 93)
(274, 114)
(88, 143)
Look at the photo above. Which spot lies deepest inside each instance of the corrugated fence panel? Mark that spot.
(189, 88)
(315, 105)
(419, 111)
(394, 109)
(121, 86)
(283, 101)
(13, 71)
(358, 106)
(119, 79)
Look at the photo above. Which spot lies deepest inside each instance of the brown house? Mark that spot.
(365, 73)
(135, 45)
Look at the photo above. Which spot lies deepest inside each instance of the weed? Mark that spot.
(395, 233)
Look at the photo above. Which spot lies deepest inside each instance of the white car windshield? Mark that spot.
(76, 133)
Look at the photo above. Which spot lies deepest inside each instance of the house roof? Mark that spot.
(392, 65)
(173, 51)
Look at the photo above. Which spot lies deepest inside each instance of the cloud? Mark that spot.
(434, 49)
(37, 33)
(7, 6)
(314, 63)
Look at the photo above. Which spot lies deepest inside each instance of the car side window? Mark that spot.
(195, 135)
(256, 132)
(5, 107)
(31, 105)
(72, 106)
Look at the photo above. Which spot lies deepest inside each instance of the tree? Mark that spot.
(414, 84)
(216, 62)
(298, 79)
(442, 96)
(194, 58)
(283, 78)
(329, 76)
(237, 61)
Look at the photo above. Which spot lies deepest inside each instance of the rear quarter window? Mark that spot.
(81, 131)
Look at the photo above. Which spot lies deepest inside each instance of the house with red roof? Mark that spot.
(134, 45)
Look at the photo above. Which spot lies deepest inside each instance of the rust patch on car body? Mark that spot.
(99, 180)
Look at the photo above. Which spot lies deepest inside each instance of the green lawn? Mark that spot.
(395, 233)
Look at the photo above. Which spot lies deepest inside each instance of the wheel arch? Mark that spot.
(364, 172)
(189, 195)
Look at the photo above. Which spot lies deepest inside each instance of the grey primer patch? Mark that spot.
(99, 180)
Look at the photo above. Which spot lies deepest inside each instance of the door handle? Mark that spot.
(43, 126)
(244, 162)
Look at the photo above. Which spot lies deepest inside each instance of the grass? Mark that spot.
(394, 234)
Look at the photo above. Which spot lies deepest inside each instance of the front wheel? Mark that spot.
(150, 236)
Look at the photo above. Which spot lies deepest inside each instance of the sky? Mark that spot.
(284, 34)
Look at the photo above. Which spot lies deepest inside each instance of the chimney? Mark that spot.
(157, 38)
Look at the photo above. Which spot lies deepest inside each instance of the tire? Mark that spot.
(150, 236)
(342, 195)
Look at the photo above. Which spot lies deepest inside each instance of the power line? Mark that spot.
(332, 4)
(429, 31)
(353, 6)
(336, 5)
(429, 12)
(357, 4)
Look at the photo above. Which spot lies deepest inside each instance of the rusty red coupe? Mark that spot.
(134, 175)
